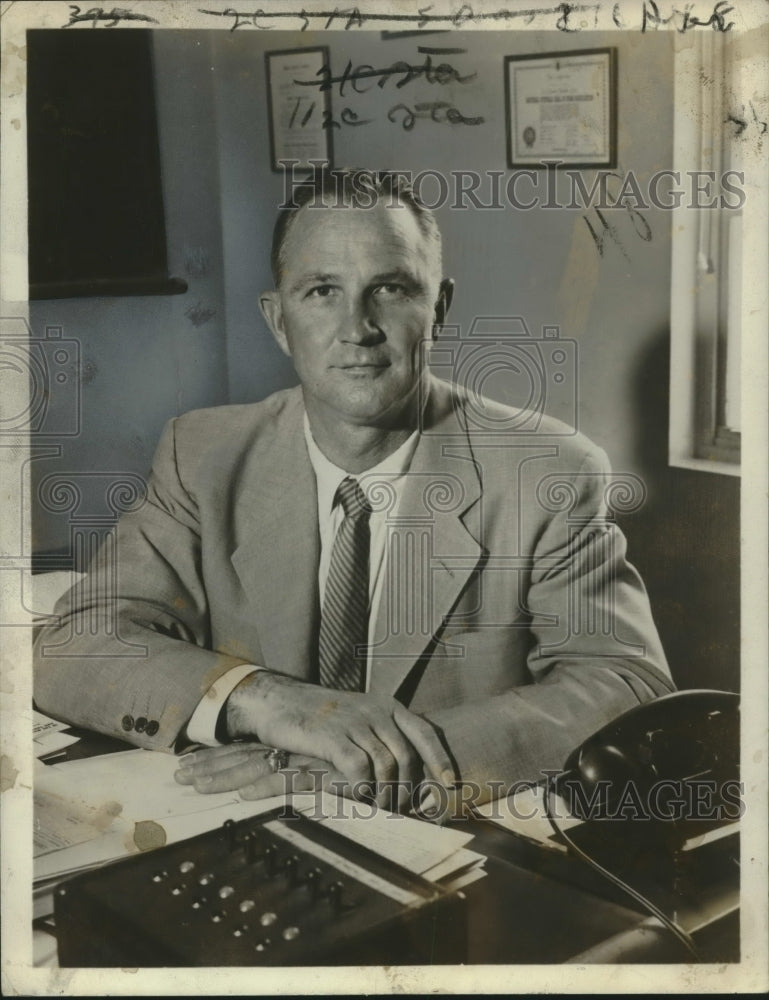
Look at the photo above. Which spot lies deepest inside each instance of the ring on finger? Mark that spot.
(277, 760)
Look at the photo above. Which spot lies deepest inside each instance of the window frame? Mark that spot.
(705, 294)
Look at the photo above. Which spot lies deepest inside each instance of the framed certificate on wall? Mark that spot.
(299, 110)
(562, 106)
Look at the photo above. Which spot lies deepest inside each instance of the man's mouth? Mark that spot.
(364, 366)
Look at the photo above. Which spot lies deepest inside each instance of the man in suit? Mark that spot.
(362, 573)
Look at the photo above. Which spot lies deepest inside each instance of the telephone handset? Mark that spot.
(682, 737)
(683, 744)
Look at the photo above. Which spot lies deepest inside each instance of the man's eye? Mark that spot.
(321, 291)
(390, 290)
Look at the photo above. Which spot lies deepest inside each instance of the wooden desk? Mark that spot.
(539, 906)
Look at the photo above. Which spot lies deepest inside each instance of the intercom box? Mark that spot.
(275, 890)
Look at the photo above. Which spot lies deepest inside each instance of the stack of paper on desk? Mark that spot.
(435, 853)
(524, 814)
(48, 735)
(92, 811)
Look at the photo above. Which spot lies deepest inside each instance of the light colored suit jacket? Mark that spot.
(511, 618)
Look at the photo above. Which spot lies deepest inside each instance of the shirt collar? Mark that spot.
(329, 476)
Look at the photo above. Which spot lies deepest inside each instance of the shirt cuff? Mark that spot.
(202, 726)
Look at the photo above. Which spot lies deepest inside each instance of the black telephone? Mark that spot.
(687, 743)
(682, 739)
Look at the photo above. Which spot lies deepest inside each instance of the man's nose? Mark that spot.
(361, 324)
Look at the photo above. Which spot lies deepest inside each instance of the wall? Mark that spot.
(543, 265)
(147, 358)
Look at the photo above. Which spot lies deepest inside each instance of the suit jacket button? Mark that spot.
(152, 727)
(141, 724)
(127, 723)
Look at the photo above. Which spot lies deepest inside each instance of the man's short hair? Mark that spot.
(351, 187)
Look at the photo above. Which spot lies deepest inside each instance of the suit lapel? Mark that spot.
(277, 558)
(431, 552)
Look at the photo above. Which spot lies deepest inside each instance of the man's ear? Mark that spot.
(443, 304)
(272, 310)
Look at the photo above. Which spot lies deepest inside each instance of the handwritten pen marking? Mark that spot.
(684, 20)
(441, 74)
(114, 16)
(354, 17)
(437, 111)
(742, 122)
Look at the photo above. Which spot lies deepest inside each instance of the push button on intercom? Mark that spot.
(271, 890)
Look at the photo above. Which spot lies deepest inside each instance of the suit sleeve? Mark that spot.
(602, 657)
(127, 654)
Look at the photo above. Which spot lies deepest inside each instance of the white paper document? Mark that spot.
(99, 809)
(524, 814)
(50, 735)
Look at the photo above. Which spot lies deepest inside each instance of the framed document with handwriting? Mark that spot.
(299, 108)
(562, 106)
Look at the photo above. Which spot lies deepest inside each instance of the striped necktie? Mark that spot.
(344, 619)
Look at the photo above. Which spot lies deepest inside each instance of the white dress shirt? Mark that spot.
(384, 502)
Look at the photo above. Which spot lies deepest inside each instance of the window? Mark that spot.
(707, 273)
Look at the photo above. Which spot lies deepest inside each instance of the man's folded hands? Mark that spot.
(360, 745)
